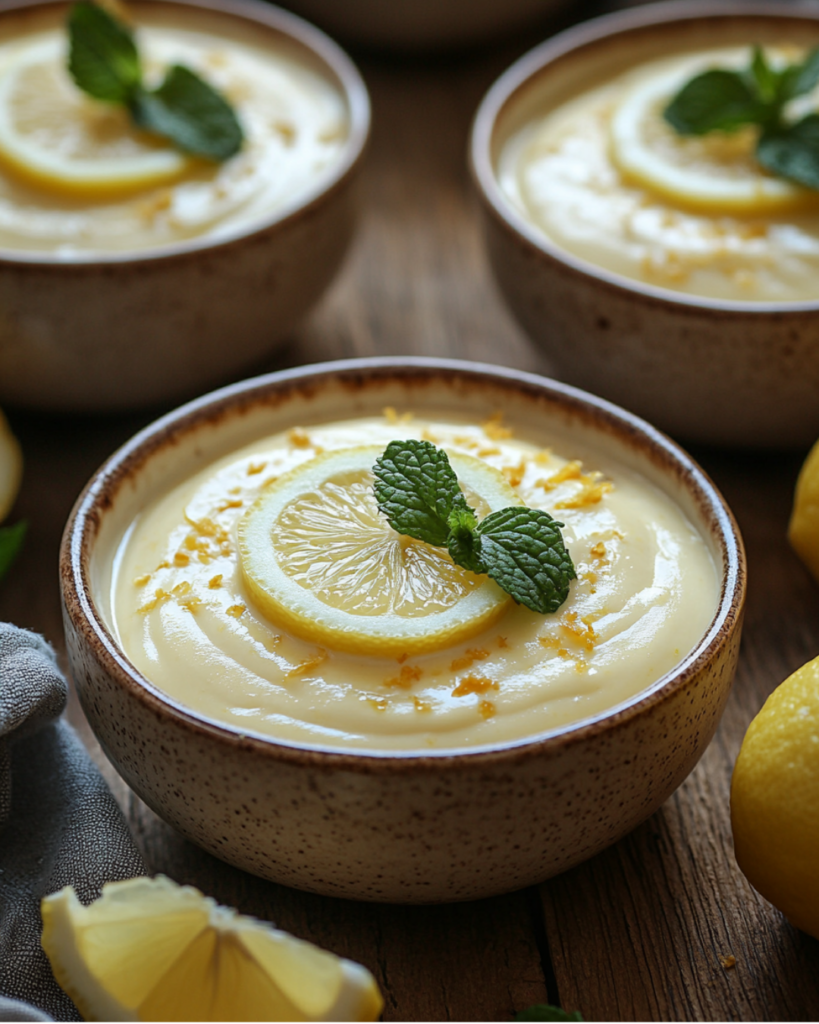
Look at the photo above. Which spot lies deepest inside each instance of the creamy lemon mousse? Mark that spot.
(77, 177)
(607, 179)
(269, 593)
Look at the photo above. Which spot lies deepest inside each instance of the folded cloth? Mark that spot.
(59, 823)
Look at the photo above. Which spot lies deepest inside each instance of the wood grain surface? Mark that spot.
(636, 933)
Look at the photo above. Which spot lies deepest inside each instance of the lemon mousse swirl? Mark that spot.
(607, 179)
(78, 178)
(187, 611)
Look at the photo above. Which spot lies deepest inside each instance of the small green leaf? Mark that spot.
(799, 79)
(11, 540)
(541, 1011)
(716, 100)
(522, 550)
(766, 81)
(792, 151)
(417, 490)
(102, 55)
(191, 113)
(462, 543)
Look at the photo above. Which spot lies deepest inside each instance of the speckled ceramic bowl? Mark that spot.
(723, 372)
(98, 333)
(379, 826)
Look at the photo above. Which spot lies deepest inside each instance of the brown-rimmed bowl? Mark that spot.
(120, 330)
(386, 826)
(736, 373)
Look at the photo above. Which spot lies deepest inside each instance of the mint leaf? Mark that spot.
(765, 80)
(102, 54)
(792, 151)
(462, 541)
(11, 540)
(522, 550)
(716, 100)
(543, 1012)
(799, 79)
(417, 490)
(191, 113)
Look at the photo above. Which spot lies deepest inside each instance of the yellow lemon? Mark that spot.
(149, 949)
(53, 135)
(775, 799)
(11, 467)
(320, 560)
(803, 530)
(717, 172)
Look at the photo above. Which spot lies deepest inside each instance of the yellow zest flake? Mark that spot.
(598, 552)
(423, 706)
(468, 659)
(494, 428)
(215, 582)
(392, 417)
(593, 490)
(255, 468)
(553, 643)
(181, 558)
(159, 597)
(230, 503)
(379, 703)
(464, 441)
(543, 457)
(181, 589)
(579, 630)
(571, 471)
(306, 666)
(219, 535)
(474, 684)
(236, 611)
(164, 564)
(408, 675)
(191, 604)
(581, 667)
(515, 474)
(486, 709)
(402, 658)
(502, 642)
(140, 581)
(484, 453)
(299, 438)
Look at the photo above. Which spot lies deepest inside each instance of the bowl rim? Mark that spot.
(573, 40)
(303, 33)
(86, 517)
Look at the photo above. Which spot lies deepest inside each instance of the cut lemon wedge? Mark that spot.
(717, 172)
(52, 135)
(149, 949)
(320, 560)
(11, 468)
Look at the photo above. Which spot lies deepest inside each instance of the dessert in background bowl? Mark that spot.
(487, 749)
(131, 273)
(670, 274)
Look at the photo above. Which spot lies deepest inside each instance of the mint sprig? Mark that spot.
(521, 549)
(104, 62)
(11, 540)
(725, 100)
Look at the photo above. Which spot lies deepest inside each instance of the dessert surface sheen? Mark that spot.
(646, 591)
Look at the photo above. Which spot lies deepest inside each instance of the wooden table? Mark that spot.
(639, 931)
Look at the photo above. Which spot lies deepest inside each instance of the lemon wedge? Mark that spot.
(53, 135)
(715, 173)
(11, 468)
(149, 949)
(803, 529)
(320, 560)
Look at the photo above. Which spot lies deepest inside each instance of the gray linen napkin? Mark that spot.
(59, 823)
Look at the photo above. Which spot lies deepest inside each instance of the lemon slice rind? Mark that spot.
(297, 609)
(758, 193)
(250, 970)
(45, 166)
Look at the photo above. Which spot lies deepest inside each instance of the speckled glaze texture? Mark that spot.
(119, 332)
(397, 828)
(730, 373)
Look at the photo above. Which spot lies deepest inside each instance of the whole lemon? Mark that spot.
(803, 531)
(775, 799)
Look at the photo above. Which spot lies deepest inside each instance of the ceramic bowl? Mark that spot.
(380, 826)
(723, 372)
(98, 333)
(417, 25)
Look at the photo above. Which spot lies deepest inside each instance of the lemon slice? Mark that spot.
(52, 134)
(803, 529)
(11, 468)
(149, 949)
(320, 560)
(717, 172)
